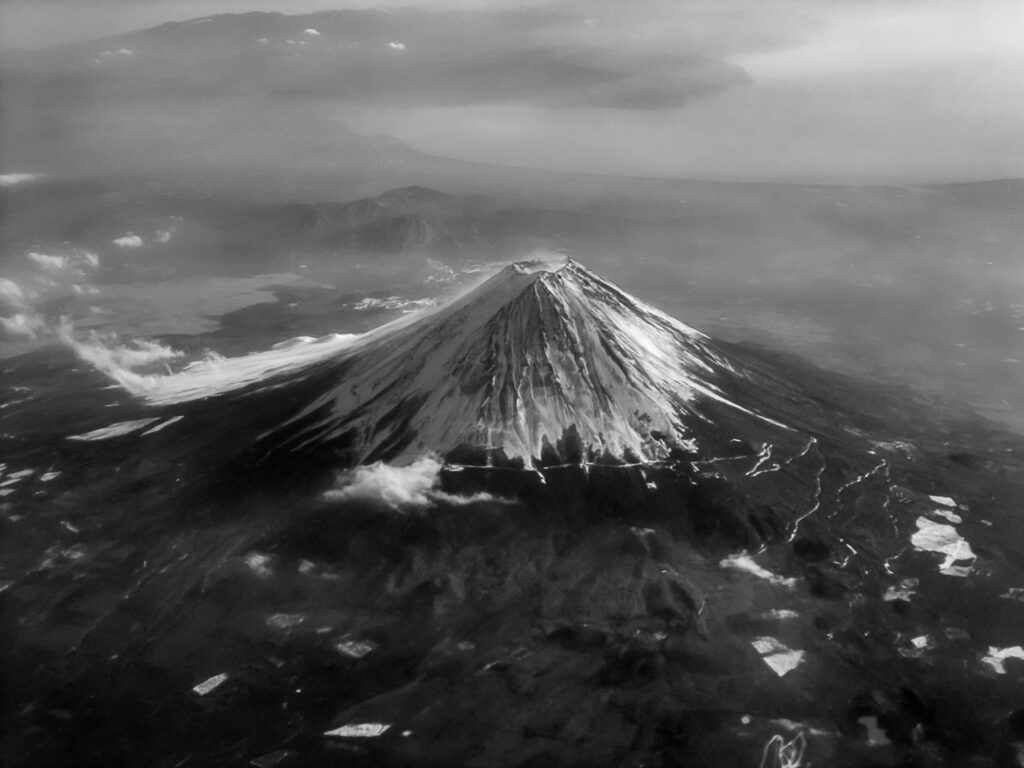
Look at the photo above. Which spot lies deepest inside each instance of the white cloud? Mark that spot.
(395, 486)
(55, 265)
(10, 179)
(396, 46)
(857, 38)
(409, 487)
(129, 240)
(27, 324)
(11, 291)
(164, 235)
(47, 262)
(311, 32)
(111, 357)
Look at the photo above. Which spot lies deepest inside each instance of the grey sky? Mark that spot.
(842, 90)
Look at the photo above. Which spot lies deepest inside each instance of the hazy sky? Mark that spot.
(857, 90)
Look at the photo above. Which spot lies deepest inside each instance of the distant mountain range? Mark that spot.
(402, 56)
(406, 220)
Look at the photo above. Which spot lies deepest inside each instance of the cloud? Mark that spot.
(53, 264)
(311, 32)
(28, 324)
(10, 179)
(413, 486)
(211, 376)
(111, 357)
(130, 240)
(406, 486)
(76, 260)
(396, 46)
(11, 292)
(118, 54)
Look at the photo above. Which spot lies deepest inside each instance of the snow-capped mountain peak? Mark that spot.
(542, 363)
(543, 356)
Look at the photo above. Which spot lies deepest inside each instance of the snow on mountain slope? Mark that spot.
(539, 348)
(542, 353)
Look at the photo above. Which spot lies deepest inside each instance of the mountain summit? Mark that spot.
(543, 362)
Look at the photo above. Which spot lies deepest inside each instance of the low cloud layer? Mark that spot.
(410, 487)
(49, 276)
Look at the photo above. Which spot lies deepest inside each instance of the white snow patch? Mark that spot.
(996, 657)
(114, 430)
(311, 32)
(744, 563)
(162, 425)
(396, 46)
(355, 649)
(285, 620)
(875, 735)
(944, 539)
(359, 730)
(16, 477)
(211, 684)
(778, 656)
(48, 476)
(902, 591)
(393, 302)
(945, 514)
(945, 501)
(262, 40)
(129, 240)
(780, 614)
(259, 564)
(164, 235)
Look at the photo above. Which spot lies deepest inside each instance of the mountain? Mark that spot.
(544, 379)
(367, 56)
(543, 363)
(191, 229)
(639, 545)
(416, 219)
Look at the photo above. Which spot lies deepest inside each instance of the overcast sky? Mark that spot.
(842, 90)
